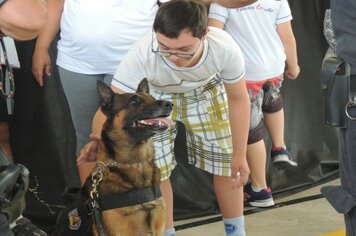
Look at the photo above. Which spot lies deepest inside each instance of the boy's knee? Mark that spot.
(273, 103)
(256, 134)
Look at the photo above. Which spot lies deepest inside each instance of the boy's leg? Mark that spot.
(209, 146)
(256, 158)
(230, 201)
(165, 160)
(274, 120)
(256, 151)
(257, 193)
(273, 111)
(167, 193)
(274, 123)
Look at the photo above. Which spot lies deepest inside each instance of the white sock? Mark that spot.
(170, 232)
(257, 189)
(234, 226)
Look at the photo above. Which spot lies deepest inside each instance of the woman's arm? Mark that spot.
(22, 19)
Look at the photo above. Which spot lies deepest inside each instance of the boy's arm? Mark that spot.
(239, 116)
(286, 35)
(216, 23)
(231, 3)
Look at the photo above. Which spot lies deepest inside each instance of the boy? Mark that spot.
(201, 71)
(263, 30)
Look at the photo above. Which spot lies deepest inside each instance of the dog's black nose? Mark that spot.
(167, 104)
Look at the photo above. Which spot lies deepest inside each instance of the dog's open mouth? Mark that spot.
(152, 123)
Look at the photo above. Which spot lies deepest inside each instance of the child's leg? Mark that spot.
(256, 151)
(256, 193)
(274, 120)
(256, 158)
(209, 147)
(273, 111)
(167, 193)
(230, 201)
(274, 123)
(164, 160)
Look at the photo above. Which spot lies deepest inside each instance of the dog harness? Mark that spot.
(86, 207)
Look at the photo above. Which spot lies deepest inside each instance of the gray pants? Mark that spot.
(343, 198)
(81, 93)
(348, 172)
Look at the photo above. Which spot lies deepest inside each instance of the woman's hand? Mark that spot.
(41, 63)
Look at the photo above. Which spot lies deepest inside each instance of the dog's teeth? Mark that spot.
(142, 122)
(159, 123)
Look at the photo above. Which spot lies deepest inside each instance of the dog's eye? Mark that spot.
(136, 100)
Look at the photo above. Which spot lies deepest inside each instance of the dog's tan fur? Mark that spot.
(137, 171)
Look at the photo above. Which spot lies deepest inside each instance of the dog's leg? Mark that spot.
(158, 218)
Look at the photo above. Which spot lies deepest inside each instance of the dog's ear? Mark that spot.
(143, 87)
(105, 97)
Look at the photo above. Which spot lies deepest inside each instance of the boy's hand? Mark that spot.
(239, 171)
(292, 72)
(89, 151)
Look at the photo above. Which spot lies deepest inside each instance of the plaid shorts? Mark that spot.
(204, 112)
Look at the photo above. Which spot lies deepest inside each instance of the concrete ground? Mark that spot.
(306, 213)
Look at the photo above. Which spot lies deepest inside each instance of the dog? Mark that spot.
(132, 119)
(123, 189)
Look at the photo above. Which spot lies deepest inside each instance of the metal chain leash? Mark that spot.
(3, 76)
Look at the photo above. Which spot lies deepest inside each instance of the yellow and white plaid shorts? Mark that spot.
(204, 113)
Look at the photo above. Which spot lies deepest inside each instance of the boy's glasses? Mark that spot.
(177, 54)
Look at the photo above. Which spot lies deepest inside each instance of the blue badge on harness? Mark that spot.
(74, 219)
(229, 228)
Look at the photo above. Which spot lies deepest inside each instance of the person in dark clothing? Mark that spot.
(343, 198)
(20, 20)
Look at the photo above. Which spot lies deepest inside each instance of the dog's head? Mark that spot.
(137, 116)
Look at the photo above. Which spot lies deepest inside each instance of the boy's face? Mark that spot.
(184, 51)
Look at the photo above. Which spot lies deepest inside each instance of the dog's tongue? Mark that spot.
(160, 121)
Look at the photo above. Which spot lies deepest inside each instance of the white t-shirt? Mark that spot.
(221, 55)
(254, 29)
(96, 35)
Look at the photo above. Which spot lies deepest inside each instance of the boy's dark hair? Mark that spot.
(177, 15)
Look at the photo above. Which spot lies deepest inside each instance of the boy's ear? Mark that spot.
(106, 96)
(143, 87)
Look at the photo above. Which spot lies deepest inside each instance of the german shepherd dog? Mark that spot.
(124, 186)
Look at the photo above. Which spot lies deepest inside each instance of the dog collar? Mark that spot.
(130, 198)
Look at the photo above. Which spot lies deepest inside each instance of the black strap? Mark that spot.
(353, 86)
(95, 209)
(130, 198)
